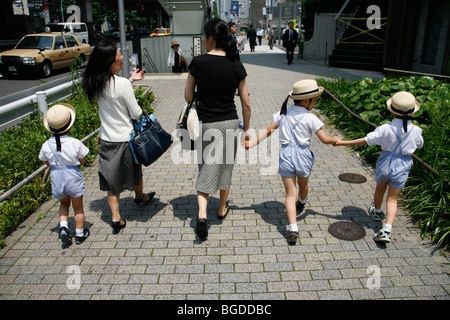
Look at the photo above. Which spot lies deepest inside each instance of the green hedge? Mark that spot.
(19, 157)
(426, 195)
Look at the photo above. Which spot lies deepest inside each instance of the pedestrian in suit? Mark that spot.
(251, 36)
(290, 37)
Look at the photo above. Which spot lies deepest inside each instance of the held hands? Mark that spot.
(137, 75)
(337, 141)
(245, 138)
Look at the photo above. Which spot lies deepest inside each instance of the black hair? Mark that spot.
(230, 24)
(220, 32)
(98, 70)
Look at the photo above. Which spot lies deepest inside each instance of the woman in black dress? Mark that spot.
(215, 76)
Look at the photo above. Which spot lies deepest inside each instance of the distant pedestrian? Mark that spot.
(63, 154)
(251, 36)
(271, 37)
(217, 112)
(233, 30)
(175, 58)
(297, 125)
(290, 37)
(398, 140)
(259, 35)
(117, 108)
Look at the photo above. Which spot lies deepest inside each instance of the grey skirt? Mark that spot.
(116, 168)
(218, 153)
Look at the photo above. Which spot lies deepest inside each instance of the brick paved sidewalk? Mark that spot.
(246, 256)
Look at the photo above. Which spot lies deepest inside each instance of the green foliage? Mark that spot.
(19, 157)
(425, 195)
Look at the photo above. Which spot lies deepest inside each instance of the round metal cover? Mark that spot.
(347, 230)
(352, 178)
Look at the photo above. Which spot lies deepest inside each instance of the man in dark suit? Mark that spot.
(251, 36)
(290, 37)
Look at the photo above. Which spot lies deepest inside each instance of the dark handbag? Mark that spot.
(148, 140)
(186, 142)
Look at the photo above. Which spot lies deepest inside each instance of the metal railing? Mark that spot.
(15, 110)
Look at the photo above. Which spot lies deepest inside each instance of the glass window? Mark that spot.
(70, 41)
(59, 43)
(35, 42)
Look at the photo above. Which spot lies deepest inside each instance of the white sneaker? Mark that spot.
(377, 216)
(383, 235)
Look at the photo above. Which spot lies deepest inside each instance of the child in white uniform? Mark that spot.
(297, 125)
(63, 154)
(398, 140)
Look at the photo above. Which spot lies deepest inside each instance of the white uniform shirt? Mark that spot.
(71, 151)
(385, 137)
(304, 130)
(116, 107)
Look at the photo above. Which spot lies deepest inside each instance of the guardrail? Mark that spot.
(14, 107)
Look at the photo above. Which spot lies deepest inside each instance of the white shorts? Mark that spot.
(393, 168)
(295, 160)
(67, 181)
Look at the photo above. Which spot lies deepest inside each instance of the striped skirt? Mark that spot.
(218, 152)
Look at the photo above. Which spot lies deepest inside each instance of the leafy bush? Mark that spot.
(426, 195)
(19, 157)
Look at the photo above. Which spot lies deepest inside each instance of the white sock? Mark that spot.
(293, 227)
(79, 232)
(64, 224)
(387, 227)
(378, 210)
(302, 201)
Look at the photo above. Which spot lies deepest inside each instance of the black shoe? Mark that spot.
(202, 228)
(80, 240)
(226, 213)
(141, 200)
(300, 206)
(292, 237)
(64, 235)
(118, 225)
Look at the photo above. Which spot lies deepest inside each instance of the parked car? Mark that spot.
(42, 53)
(140, 33)
(159, 32)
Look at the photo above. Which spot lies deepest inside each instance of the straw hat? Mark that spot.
(59, 118)
(403, 103)
(174, 43)
(305, 89)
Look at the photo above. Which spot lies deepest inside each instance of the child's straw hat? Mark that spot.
(305, 89)
(59, 118)
(403, 103)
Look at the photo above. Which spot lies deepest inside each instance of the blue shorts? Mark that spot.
(393, 168)
(67, 181)
(295, 161)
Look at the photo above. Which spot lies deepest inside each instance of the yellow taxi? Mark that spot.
(41, 53)
(159, 32)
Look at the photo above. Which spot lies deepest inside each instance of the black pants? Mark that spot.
(290, 48)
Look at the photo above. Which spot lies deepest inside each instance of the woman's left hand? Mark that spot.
(137, 75)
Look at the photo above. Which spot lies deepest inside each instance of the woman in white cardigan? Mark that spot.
(174, 57)
(117, 108)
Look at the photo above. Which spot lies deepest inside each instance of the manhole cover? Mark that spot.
(346, 230)
(352, 178)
